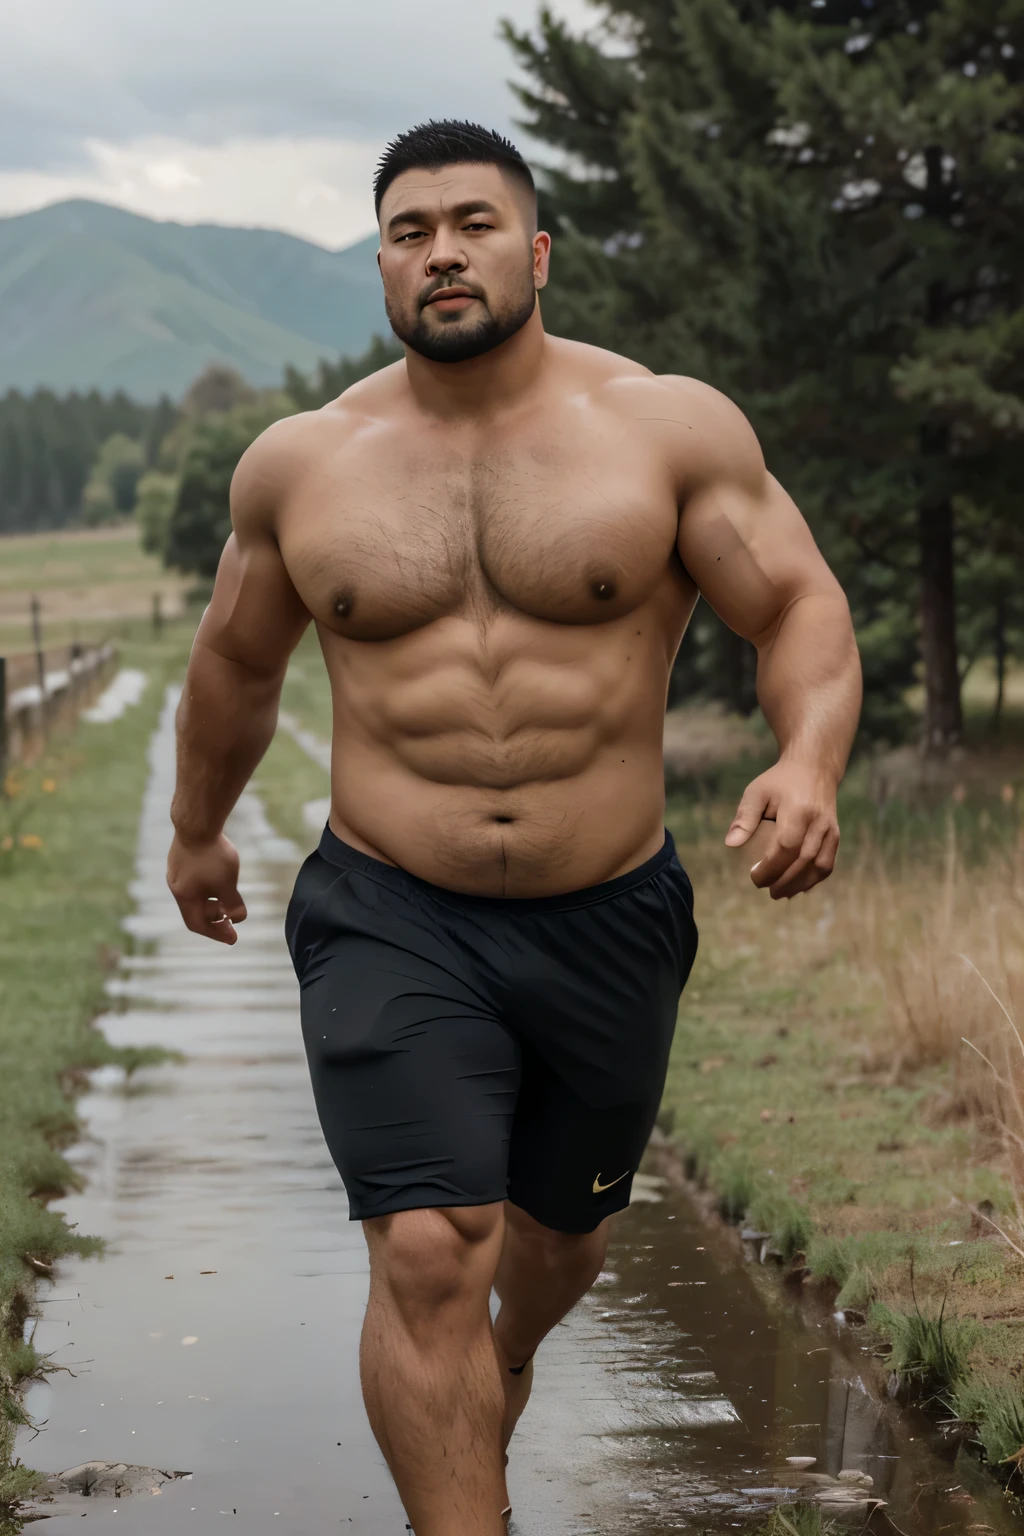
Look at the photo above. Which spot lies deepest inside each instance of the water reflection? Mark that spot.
(732, 1402)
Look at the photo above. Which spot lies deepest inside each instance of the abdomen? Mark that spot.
(521, 758)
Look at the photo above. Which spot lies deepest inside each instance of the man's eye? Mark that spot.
(479, 226)
(413, 234)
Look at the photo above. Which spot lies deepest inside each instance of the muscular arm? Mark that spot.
(228, 711)
(753, 557)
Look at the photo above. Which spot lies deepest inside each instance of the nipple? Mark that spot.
(342, 607)
(604, 591)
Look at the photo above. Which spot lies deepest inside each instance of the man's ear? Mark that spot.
(541, 258)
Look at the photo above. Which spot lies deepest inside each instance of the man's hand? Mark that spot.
(802, 803)
(204, 882)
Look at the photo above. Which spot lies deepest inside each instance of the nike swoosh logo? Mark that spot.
(600, 1188)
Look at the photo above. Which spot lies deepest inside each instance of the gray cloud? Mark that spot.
(210, 70)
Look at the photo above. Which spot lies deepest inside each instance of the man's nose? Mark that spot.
(445, 256)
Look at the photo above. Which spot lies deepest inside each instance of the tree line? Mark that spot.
(49, 448)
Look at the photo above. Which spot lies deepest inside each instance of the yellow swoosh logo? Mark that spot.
(600, 1188)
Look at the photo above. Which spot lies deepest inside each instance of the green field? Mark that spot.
(89, 583)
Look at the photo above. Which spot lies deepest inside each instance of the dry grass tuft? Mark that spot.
(1005, 1061)
(926, 959)
(948, 958)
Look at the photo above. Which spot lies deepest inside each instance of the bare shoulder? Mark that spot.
(374, 395)
(593, 371)
(266, 462)
(293, 447)
(595, 364)
(703, 433)
(696, 426)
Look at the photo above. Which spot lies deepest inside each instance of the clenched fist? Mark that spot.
(801, 801)
(203, 878)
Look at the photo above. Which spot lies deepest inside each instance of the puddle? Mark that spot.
(719, 1384)
(218, 1336)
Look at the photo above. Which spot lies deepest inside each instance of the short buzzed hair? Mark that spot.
(433, 145)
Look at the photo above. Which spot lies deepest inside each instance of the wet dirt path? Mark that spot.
(218, 1336)
(666, 1403)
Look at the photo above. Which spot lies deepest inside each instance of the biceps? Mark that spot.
(255, 616)
(751, 555)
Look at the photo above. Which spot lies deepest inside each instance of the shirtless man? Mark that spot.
(500, 540)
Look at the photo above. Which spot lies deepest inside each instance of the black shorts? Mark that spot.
(469, 1049)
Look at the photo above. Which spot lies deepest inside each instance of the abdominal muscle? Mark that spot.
(523, 769)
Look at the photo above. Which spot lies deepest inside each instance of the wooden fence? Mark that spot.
(46, 689)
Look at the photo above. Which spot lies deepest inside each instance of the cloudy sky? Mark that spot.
(267, 112)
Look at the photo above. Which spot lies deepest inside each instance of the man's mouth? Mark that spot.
(451, 298)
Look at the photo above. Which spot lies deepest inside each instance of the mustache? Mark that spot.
(426, 294)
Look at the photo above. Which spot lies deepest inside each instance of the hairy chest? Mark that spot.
(391, 536)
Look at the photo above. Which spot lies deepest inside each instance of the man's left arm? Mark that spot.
(753, 557)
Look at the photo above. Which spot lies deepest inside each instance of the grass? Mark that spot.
(929, 1351)
(994, 1400)
(89, 582)
(307, 689)
(798, 1520)
(821, 1087)
(287, 779)
(62, 893)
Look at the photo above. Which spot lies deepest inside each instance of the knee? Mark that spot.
(430, 1261)
(558, 1251)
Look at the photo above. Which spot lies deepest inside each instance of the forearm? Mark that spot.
(226, 721)
(809, 682)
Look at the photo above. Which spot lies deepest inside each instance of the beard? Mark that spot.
(456, 338)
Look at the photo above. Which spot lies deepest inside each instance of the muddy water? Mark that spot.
(218, 1336)
(724, 1378)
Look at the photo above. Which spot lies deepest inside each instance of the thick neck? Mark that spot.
(494, 381)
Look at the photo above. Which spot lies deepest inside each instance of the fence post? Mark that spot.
(37, 641)
(3, 722)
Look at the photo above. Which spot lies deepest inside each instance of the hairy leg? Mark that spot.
(540, 1277)
(430, 1379)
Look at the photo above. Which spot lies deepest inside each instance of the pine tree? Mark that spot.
(48, 446)
(818, 207)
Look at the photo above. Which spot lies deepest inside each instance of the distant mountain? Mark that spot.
(94, 296)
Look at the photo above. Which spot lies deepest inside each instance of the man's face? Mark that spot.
(460, 260)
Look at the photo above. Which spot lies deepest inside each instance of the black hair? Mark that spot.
(433, 145)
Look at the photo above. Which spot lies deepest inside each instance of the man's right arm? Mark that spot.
(228, 711)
